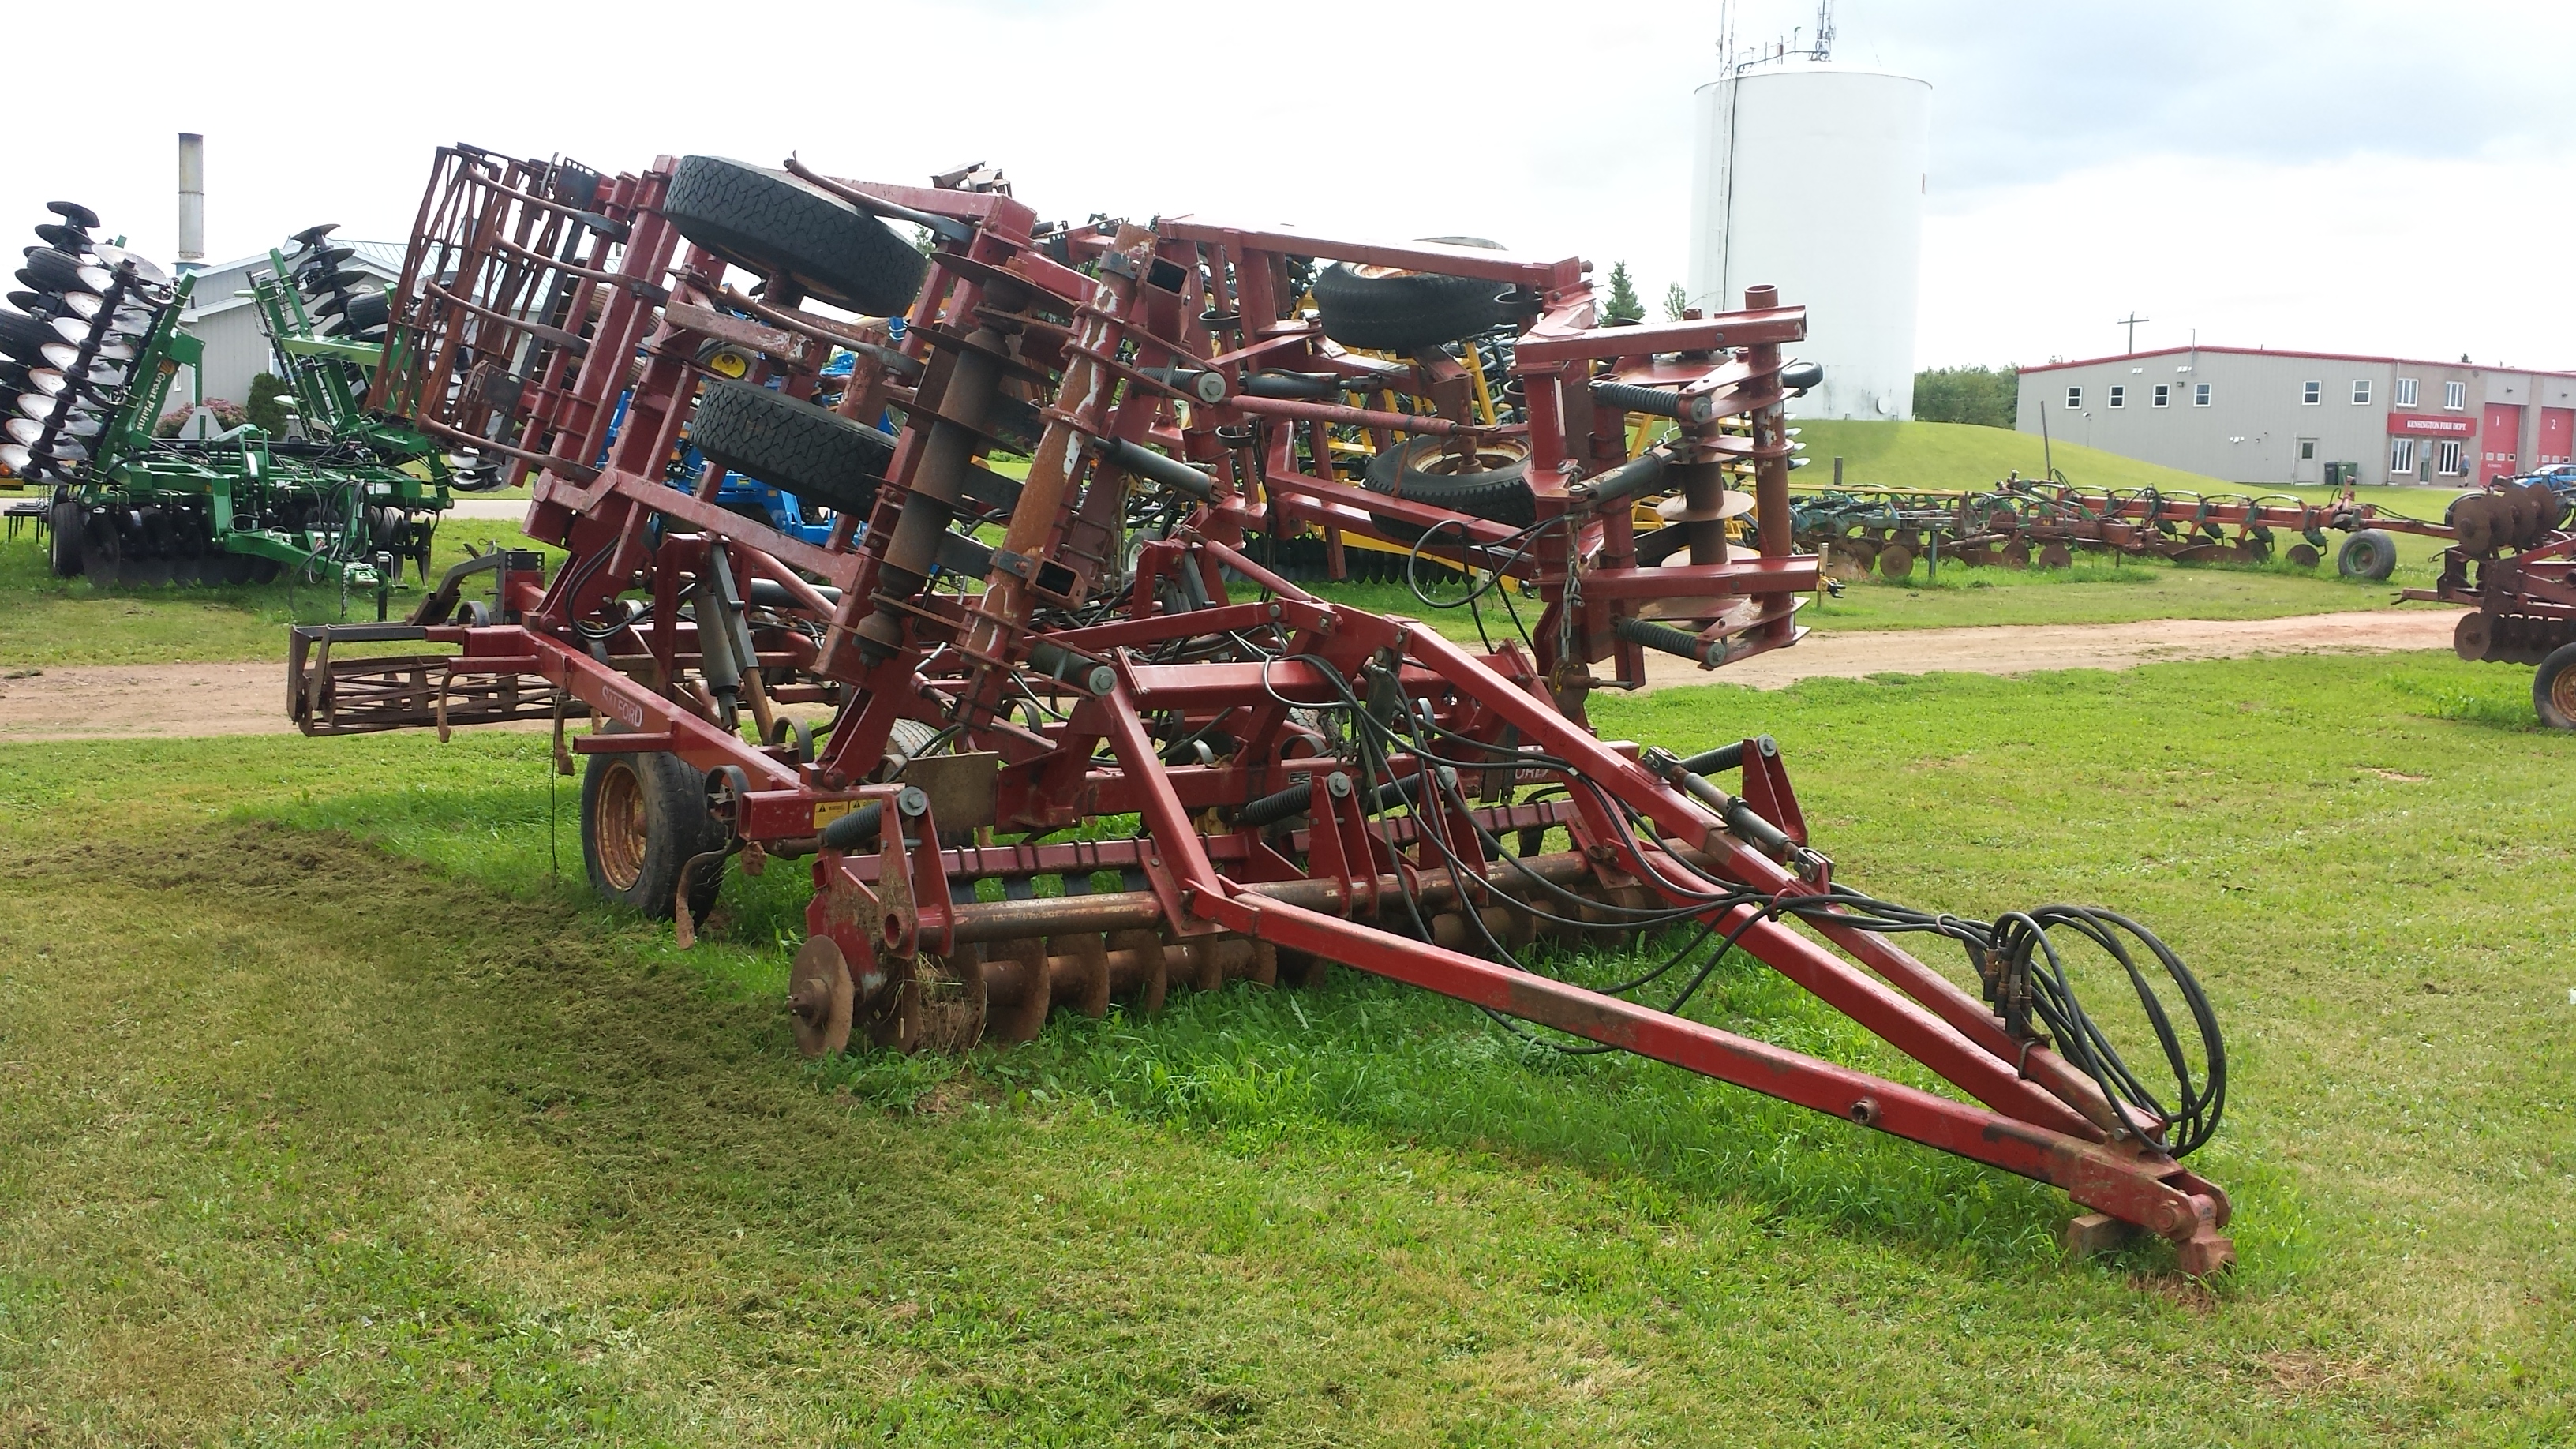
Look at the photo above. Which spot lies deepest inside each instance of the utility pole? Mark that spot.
(2131, 322)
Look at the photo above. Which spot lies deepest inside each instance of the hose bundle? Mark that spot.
(2020, 956)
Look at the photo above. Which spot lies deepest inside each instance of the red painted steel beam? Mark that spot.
(2127, 1186)
(1729, 329)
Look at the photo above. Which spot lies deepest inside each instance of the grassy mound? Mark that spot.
(1963, 455)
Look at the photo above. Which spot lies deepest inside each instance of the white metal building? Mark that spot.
(1809, 176)
(2250, 415)
(221, 316)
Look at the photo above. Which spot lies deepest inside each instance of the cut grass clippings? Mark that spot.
(326, 1114)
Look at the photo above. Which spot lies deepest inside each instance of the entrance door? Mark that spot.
(2305, 469)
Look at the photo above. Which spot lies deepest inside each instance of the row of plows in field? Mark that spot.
(2021, 523)
(92, 349)
(2506, 549)
(1047, 731)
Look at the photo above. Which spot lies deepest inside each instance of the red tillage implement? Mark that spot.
(1007, 659)
(2516, 570)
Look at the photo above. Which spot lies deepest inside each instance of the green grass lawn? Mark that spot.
(49, 621)
(327, 1115)
(1962, 455)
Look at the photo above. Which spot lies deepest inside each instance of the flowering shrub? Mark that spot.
(228, 415)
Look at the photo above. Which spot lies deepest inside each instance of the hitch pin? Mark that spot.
(1738, 817)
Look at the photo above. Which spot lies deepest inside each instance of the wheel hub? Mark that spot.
(623, 833)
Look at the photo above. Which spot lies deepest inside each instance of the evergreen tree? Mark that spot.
(265, 407)
(1676, 302)
(1622, 305)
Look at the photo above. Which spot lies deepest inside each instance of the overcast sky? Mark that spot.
(2358, 176)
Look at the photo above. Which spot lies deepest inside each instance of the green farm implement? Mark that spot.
(334, 498)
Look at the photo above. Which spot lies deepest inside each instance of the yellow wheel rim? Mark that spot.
(622, 836)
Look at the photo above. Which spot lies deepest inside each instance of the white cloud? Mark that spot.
(2368, 254)
(2208, 163)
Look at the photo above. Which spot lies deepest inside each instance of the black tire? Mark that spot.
(769, 222)
(1405, 311)
(2553, 688)
(367, 311)
(671, 800)
(1418, 471)
(64, 529)
(2369, 554)
(812, 452)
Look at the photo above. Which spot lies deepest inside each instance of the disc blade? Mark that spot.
(25, 432)
(75, 213)
(66, 238)
(146, 270)
(15, 457)
(312, 236)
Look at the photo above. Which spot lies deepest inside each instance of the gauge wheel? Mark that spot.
(2369, 554)
(791, 444)
(1390, 309)
(643, 818)
(2553, 688)
(793, 232)
(1491, 483)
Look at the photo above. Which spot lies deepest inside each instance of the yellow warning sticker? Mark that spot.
(827, 811)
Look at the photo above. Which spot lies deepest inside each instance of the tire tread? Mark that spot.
(772, 223)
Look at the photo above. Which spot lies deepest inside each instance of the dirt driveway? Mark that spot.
(2026, 649)
(125, 701)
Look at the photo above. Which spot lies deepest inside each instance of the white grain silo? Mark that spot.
(1809, 176)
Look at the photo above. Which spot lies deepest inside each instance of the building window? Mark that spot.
(2164, 394)
(2401, 456)
(2307, 450)
(2200, 394)
(2075, 397)
(2312, 393)
(2446, 458)
(2119, 396)
(2406, 392)
(2361, 392)
(2455, 396)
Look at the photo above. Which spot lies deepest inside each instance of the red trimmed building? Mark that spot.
(2251, 415)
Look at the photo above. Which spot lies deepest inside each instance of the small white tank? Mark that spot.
(1809, 176)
